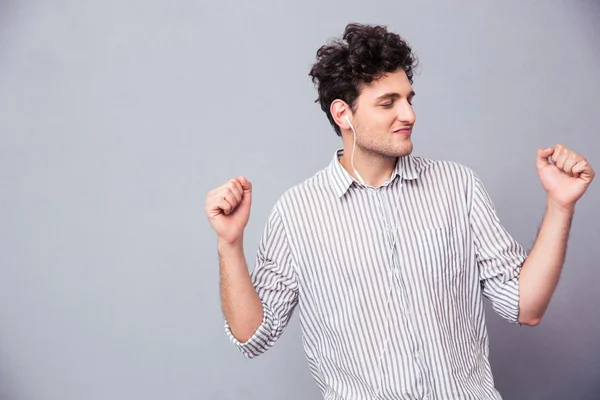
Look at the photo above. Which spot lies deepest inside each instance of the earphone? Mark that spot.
(389, 294)
(354, 148)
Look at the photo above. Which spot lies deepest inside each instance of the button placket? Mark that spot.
(407, 314)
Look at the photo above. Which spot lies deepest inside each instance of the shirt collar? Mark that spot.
(406, 168)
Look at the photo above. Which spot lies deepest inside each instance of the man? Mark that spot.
(388, 256)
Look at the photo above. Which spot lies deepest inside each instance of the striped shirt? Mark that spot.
(389, 282)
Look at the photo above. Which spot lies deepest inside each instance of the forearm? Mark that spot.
(241, 305)
(541, 271)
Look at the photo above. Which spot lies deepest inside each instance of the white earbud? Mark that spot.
(353, 148)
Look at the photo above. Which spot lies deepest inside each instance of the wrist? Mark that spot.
(556, 208)
(230, 245)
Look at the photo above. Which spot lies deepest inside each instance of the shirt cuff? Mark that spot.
(507, 303)
(260, 341)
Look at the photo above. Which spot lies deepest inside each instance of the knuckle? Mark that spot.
(230, 197)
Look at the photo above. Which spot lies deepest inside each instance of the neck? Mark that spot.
(374, 169)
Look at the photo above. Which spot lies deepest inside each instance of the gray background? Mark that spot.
(116, 118)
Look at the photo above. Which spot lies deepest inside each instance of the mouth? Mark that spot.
(406, 130)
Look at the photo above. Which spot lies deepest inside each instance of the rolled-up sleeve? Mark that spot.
(499, 256)
(275, 281)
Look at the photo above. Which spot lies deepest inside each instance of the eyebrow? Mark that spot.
(395, 95)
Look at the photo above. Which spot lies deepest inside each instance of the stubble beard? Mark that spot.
(374, 148)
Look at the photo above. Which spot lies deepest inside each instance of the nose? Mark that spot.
(406, 113)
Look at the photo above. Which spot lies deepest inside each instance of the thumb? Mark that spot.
(542, 157)
(247, 186)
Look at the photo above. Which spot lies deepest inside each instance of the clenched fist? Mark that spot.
(228, 209)
(567, 177)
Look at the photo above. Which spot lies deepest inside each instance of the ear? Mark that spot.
(339, 109)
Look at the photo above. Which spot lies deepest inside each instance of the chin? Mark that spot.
(396, 153)
(390, 151)
(403, 150)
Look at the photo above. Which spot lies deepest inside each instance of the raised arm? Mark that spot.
(228, 210)
(565, 180)
(257, 306)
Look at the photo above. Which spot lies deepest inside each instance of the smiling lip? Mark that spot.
(404, 131)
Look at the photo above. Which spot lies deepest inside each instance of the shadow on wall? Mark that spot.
(10, 11)
(7, 378)
(8, 8)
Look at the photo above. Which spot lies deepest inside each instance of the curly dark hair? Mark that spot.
(364, 53)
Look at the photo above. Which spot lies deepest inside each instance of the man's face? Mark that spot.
(384, 116)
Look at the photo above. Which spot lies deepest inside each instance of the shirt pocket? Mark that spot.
(439, 250)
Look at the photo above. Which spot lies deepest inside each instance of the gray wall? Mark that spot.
(116, 118)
